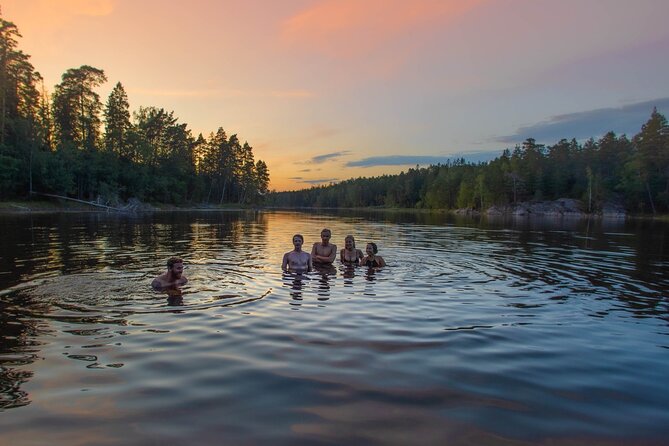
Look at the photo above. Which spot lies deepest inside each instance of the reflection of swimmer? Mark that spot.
(348, 273)
(297, 260)
(325, 272)
(175, 297)
(329, 269)
(295, 283)
(350, 255)
(174, 275)
(371, 259)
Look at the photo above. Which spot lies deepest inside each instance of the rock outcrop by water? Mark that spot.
(563, 207)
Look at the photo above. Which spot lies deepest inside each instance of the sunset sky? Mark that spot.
(326, 90)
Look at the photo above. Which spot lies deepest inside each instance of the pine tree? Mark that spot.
(117, 122)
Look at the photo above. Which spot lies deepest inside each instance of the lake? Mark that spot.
(510, 332)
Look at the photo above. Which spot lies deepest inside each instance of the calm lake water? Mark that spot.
(478, 332)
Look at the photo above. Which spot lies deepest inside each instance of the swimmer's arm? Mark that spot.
(284, 263)
(333, 254)
(314, 252)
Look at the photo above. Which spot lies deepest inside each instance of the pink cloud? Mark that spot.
(350, 28)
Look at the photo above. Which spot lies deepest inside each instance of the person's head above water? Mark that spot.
(298, 241)
(173, 275)
(175, 265)
(371, 246)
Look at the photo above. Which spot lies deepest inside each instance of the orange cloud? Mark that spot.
(78, 7)
(42, 18)
(345, 28)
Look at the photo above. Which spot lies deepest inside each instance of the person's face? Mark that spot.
(325, 237)
(297, 243)
(177, 270)
(349, 243)
(369, 250)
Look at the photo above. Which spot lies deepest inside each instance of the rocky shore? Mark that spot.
(563, 207)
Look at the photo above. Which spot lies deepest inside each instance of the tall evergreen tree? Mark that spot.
(652, 144)
(117, 123)
(77, 107)
(19, 104)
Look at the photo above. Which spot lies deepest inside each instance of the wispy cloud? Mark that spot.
(321, 181)
(413, 160)
(328, 156)
(314, 181)
(223, 93)
(592, 123)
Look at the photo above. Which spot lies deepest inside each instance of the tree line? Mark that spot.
(70, 143)
(613, 169)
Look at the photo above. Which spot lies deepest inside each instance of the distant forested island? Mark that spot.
(57, 144)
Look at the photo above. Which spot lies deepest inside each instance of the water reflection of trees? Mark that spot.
(75, 242)
(18, 348)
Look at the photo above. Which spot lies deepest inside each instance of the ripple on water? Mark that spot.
(470, 334)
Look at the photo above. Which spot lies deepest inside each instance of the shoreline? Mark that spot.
(46, 207)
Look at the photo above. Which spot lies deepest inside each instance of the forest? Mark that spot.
(70, 143)
(632, 172)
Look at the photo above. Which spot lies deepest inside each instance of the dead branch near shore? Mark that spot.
(90, 203)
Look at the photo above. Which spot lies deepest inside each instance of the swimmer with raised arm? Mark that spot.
(174, 275)
(297, 260)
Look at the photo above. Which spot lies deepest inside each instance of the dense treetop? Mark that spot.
(72, 144)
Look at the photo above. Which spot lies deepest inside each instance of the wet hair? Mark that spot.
(326, 230)
(300, 236)
(375, 248)
(350, 237)
(172, 260)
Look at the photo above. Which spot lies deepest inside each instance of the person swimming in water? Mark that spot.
(174, 275)
(324, 252)
(350, 255)
(297, 260)
(371, 259)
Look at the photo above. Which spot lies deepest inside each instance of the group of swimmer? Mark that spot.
(323, 253)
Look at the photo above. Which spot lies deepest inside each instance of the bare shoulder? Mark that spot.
(158, 282)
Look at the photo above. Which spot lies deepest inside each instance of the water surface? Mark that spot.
(478, 332)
